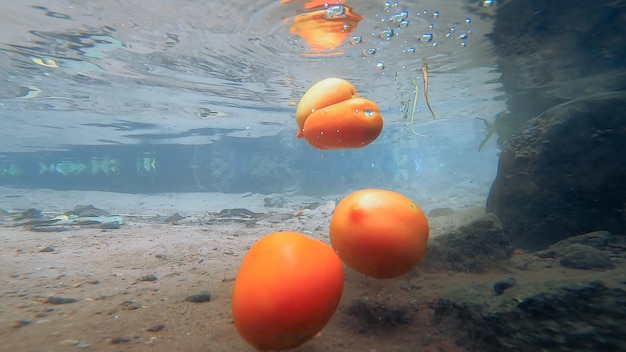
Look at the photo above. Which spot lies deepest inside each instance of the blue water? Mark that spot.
(201, 96)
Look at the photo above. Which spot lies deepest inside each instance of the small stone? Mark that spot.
(60, 300)
(156, 328)
(31, 213)
(275, 201)
(46, 250)
(69, 342)
(120, 339)
(548, 253)
(174, 218)
(148, 278)
(130, 305)
(500, 286)
(585, 257)
(199, 298)
(433, 213)
(21, 323)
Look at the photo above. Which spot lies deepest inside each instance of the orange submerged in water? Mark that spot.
(352, 123)
(379, 233)
(331, 115)
(287, 288)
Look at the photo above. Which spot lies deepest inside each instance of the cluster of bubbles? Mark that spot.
(397, 19)
(334, 12)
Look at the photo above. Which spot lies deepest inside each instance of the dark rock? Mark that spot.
(597, 239)
(87, 211)
(241, 212)
(22, 323)
(120, 339)
(174, 218)
(109, 225)
(199, 298)
(470, 248)
(149, 277)
(376, 314)
(567, 315)
(500, 286)
(156, 328)
(46, 250)
(59, 300)
(31, 213)
(130, 305)
(274, 201)
(564, 174)
(581, 256)
(549, 52)
(548, 253)
(433, 213)
(48, 228)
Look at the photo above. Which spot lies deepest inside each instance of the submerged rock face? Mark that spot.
(533, 302)
(550, 52)
(568, 315)
(471, 248)
(565, 174)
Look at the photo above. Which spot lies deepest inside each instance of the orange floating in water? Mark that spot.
(322, 94)
(324, 27)
(353, 123)
(331, 115)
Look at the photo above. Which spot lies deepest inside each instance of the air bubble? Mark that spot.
(335, 11)
(369, 112)
(400, 16)
(379, 67)
(386, 34)
(403, 24)
(369, 51)
(468, 20)
(427, 37)
(487, 3)
(356, 40)
(436, 14)
(408, 50)
(431, 26)
(462, 36)
(463, 43)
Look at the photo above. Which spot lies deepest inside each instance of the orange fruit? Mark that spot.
(353, 123)
(287, 288)
(379, 233)
(324, 93)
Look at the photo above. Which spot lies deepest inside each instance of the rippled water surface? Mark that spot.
(188, 72)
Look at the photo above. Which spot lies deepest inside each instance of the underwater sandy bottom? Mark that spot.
(117, 308)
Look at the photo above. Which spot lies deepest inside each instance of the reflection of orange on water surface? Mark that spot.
(322, 28)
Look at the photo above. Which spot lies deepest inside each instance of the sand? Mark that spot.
(130, 284)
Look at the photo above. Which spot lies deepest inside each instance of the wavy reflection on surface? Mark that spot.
(91, 64)
(324, 27)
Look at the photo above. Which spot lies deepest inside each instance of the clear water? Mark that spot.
(201, 95)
